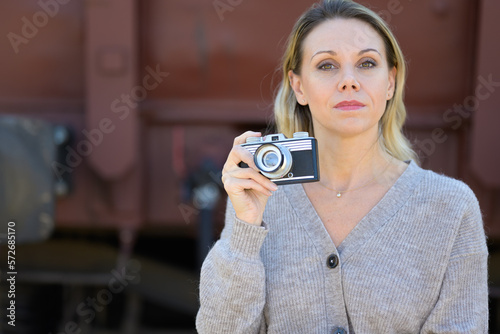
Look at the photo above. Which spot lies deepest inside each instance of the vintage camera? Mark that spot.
(285, 160)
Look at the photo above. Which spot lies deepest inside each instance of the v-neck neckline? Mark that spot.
(367, 227)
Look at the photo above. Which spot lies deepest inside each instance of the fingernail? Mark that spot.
(274, 186)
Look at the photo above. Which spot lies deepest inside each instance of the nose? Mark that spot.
(348, 82)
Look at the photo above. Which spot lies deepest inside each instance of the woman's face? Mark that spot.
(344, 77)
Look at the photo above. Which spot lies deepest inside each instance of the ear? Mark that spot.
(296, 83)
(391, 87)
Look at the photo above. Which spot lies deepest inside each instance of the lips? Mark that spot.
(349, 105)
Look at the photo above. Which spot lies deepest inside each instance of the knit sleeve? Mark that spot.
(462, 306)
(232, 281)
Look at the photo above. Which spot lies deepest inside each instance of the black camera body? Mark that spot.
(285, 160)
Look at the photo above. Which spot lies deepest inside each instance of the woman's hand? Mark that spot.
(247, 189)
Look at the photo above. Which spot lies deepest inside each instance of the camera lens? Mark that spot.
(268, 158)
(271, 160)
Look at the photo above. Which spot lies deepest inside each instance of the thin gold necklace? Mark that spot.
(340, 192)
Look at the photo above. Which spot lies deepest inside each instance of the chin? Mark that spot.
(355, 129)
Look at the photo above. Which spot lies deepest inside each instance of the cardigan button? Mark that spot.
(332, 261)
(339, 330)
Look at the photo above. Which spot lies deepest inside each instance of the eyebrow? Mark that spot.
(333, 53)
(368, 50)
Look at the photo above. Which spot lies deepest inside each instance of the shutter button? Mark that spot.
(339, 330)
(332, 261)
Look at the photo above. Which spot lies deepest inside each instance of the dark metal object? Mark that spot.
(112, 73)
(204, 190)
(27, 154)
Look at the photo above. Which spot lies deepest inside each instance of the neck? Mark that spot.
(348, 162)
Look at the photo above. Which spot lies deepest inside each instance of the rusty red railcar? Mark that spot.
(130, 108)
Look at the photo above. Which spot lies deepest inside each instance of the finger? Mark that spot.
(241, 139)
(233, 186)
(240, 154)
(248, 173)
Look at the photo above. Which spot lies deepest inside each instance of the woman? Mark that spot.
(378, 245)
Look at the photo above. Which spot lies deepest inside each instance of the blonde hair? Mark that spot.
(290, 116)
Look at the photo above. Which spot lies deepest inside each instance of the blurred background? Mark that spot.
(117, 115)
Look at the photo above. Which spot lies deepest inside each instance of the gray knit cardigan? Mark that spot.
(416, 263)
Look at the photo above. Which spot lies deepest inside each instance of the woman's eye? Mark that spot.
(367, 64)
(327, 67)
